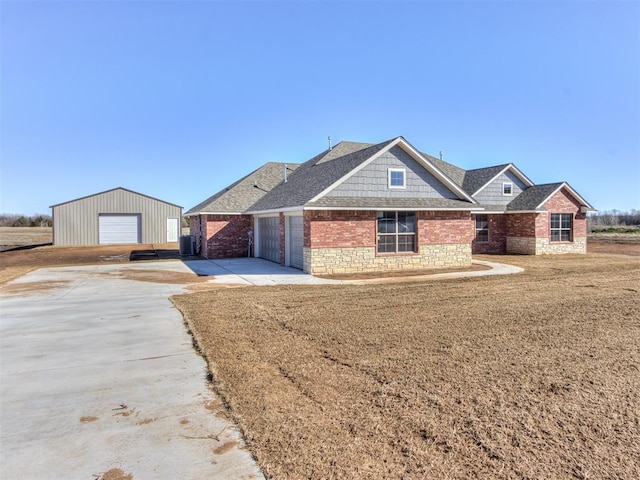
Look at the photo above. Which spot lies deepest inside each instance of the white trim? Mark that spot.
(267, 213)
(417, 156)
(195, 214)
(397, 209)
(391, 170)
(256, 238)
(526, 211)
(516, 171)
(287, 243)
(510, 194)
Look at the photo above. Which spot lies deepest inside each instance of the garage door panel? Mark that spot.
(296, 242)
(118, 229)
(269, 238)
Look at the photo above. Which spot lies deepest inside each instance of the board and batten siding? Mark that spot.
(492, 193)
(76, 222)
(373, 180)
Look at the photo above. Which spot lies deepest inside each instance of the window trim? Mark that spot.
(397, 234)
(561, 229)
(482, 229)
(404, 178)
(504, 185)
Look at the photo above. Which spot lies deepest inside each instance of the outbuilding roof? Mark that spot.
(113, 190)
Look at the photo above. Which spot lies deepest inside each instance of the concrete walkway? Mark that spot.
(259, 272)
(99, 372)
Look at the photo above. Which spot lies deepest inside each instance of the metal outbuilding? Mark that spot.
(117, 216)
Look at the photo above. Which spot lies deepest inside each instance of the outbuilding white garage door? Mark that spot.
(296, 242)
(269, 238)
(116, 228)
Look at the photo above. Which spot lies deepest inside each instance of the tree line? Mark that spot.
(15, 220)
(615, 218)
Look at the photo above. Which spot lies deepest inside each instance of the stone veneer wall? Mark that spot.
(333, 261)
(542, 246)
(345, 242)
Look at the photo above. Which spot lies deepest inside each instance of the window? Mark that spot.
(482, 228)
(507, 188)
(396, 232)
(561, 227)
(397, 178)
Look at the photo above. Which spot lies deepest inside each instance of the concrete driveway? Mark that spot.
(99, 375)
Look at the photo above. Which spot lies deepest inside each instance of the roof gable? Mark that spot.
(416, 155)
(476, 180)
(113, 190)
(324, 172)
(534, 197)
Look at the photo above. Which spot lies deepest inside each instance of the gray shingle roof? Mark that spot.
(239, 196)
(316, 175)
(454, 173)
(530, 198)
(308, 180)
(475, 179)
(392, 203)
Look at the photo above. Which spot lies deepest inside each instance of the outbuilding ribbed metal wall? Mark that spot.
(76, 222)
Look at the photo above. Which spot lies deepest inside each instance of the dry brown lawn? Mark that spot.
(529, 376)
(16, 263)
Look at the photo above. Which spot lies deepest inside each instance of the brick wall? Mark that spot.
(194, 229)
(226, 236)
(345, 242)
(521, 225)
(497, 236)
(562, 202)
(442, 228)
(333, 229)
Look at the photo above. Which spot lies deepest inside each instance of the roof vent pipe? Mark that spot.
(441, 155)
(329, 138)
(285, 173)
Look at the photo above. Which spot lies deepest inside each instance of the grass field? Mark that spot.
(530, 376)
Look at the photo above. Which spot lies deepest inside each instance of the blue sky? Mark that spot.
(178, 99)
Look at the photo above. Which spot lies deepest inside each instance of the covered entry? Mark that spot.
(118, 228)
(269, 238)
(295, 242)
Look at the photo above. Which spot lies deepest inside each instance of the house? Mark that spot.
(117, 216)
(362, 207)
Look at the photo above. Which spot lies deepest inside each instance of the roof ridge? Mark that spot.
(490, 166)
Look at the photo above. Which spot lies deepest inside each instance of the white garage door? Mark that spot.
(269, 238)
(115, 228)
(296, 242)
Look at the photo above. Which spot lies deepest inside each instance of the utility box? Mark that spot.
(187, 245)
